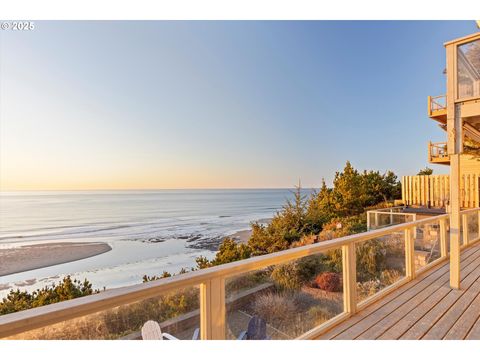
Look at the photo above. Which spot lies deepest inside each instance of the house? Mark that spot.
(458, 114)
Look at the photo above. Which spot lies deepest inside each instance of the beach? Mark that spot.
(31, 257)
(242, 236)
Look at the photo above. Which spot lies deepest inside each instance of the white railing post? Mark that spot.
(465, 229)
(212, 309)
(391, 216)
(443, 238)
(349, 262)
(376, 219)
(368, 220)
(409, 254)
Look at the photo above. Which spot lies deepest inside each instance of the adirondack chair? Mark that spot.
(256, 330)
(151, 331)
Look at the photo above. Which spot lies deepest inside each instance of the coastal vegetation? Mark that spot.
(66, 289)
(326, 214)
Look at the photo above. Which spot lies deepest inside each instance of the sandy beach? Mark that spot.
(242, 236)
(30, 257)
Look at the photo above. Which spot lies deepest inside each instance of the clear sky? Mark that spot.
(135, 105)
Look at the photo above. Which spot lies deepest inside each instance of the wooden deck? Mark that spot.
(425, 308)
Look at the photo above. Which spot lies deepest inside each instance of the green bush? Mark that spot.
(310, 266)
(287, 276)
(228, 251)
(67, 289)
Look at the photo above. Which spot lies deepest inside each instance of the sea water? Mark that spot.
(149, 231)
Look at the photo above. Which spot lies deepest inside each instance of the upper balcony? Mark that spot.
(437, 153)
(437, 108)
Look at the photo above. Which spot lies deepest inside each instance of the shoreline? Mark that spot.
(32, 257)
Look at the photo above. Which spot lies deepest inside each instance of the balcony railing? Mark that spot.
(381, 218)
(437, 106)
(403, 242)
(437, 152)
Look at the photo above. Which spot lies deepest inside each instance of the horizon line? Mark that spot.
(159, 189)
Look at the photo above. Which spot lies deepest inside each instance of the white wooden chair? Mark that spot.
(151, 331)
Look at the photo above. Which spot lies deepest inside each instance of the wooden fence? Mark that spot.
(434, 190)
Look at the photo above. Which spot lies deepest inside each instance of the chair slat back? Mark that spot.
(151, 331)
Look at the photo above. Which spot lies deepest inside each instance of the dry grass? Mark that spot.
(274, 308)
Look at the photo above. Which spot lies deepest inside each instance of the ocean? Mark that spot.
(149, 231)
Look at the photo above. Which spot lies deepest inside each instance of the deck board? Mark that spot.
(448, 320)
(409, 302)
(463, 325)
(474, 333)
(425, 308)
(449, 301)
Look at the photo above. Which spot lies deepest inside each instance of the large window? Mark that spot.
(468, 70)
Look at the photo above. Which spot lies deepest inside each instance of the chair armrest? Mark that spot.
(242, 336)
(168, 336)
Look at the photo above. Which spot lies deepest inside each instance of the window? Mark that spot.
(468, 70)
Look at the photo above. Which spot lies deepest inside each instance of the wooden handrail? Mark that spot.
(438, 149)
(436, 103)
(211, 282)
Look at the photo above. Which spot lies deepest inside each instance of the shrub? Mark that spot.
(329, 281)
(371, 259)
(66, 289)
(274, 308)
(287, 276)
(388, 277)
(228, 252)
(320, 314)
(310, 266)
(368, 288)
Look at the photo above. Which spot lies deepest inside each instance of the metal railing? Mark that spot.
(211, 281)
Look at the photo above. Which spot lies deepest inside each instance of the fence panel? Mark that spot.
(434, 190)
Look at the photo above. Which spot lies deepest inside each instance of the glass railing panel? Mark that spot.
(427, 243)
(472, 224)
(286, 300)
(177, 312)
(381, 219)
(380, 263)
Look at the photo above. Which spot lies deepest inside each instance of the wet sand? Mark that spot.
(31, 257)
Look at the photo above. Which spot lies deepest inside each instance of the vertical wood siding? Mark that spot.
(434, 190)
